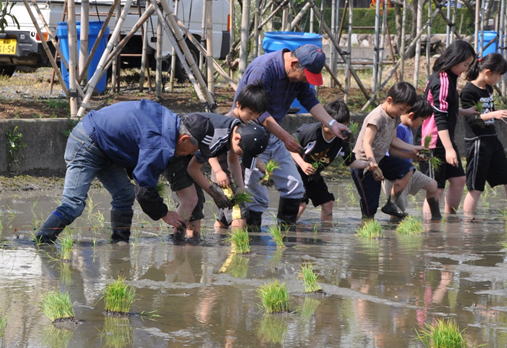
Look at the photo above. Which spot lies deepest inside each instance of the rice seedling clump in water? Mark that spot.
(271, 165)
(240, 242)
(370, 229)
(410, 225)
(118, 297)
(66, 244)
(442, 334)
(309, 278)
(274, 297)
(57, 306)
(276, 233)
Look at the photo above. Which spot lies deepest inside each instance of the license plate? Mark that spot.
(8, 46)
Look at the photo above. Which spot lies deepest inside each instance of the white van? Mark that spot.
(23, 46)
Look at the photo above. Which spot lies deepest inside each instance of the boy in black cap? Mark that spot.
(231, 137)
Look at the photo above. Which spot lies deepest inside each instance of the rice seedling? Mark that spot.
(272, 329)
(308, 308)
(479, 107)
(370, 229)
(66, 244)
(442, 334)
(56, 337)
(427, 141)
(240, 241)
(65, 274)
(241, 197)
(354, 128)
(271, 165)
(410, 226)
(433, 161)
(57, 306)
(117, 332)
(309, 278)
(274, 297)
(118, 297)
(3, 324)
(276, 233)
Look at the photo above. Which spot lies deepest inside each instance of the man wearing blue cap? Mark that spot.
(285, 75)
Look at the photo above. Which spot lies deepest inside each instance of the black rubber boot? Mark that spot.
(288, 211)
(392, 209)
(253, 220)
(121, 221)
(435, 209)
(50, 230)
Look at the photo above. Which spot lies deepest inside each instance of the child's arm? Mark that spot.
(221, 177)
(273, 127)
(450, 153)
(498, 114)
(368, 138)
(235, 168)
(306, 167)
(406, 150)
(359, 164)
(194, 170)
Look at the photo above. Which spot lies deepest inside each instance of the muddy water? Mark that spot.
(378, 293)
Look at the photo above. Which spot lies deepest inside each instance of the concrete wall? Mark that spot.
(44, 142)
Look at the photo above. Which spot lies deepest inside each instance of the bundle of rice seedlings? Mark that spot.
(410, 226)
(65, 274)
(274, 297)
(272, 329)
(66, 244)
(240, 242)
(57, 306)
(118, 297)
(276, 233)
(309, 278)
(442, 334)
(433, 161)
(271, 165)
(370, 229)
(354, 128)
(241, 197)
(117, 332)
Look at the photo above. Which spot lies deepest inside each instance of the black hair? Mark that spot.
(253, 97)
(457, 52)
(402, 93)
(421, 108)
(493, 61)
(338, 111)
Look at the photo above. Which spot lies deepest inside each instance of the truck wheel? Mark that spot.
(180, 74)
(7, 70)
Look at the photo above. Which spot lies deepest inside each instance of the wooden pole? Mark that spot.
(415, 79)
(83, 45)
(173, 54)
(333, 56)
(448, 27)
(209, 46)
(299, 16)
(243, 49)
(376, 46)
(382, 41)
(256, 31)
(144, 50)
(71, 27)
(203, 33)
(402, 43)
(115, 81)
(349, 52)
(428, 44)
(158, 60)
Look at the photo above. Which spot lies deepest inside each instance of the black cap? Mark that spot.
(201, 129)
(254, 140)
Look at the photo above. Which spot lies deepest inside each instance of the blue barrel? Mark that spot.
(277, 40)
(93, 31)
(484, 38)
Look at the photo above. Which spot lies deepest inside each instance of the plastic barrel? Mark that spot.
(93, 31)
(484, 38)
(277, 40)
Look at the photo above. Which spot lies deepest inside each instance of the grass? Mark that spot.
(272, 329)
(117, 332)
(442, 334)
(410, 226)
(370, 229)
(276, 233)
(66, 244)
(118, 297)
(270, 167)
(309, 278)
(3, 324)
(57, 306)
(240, 241)
(274, 297)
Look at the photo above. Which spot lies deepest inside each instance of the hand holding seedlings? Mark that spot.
(309, 168)
(270, 167)
(172, 218)
(240, 197)
(472, 111)
(218, 196)
(222, 179)
(375, 171)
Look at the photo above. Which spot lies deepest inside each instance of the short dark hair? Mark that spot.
(493, 61)
(254, 97)
(338, 111)
(457, 52)
(421, 108)
(402, 93)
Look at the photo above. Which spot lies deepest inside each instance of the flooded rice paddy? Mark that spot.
(378, 293)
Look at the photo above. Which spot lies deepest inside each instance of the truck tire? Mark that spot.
(180, 73)
(7, 70)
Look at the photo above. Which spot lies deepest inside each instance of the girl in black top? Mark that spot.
(486, 159)
(443, 96)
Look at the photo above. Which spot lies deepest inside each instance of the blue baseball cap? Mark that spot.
(312, 59)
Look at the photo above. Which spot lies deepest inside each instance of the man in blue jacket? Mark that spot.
(139, 138)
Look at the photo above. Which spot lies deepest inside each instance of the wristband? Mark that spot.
(330, 123)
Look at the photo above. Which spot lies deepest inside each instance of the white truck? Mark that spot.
(23, 46)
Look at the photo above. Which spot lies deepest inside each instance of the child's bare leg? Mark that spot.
(187, 201)
(193, 229)
(326, 212)
(471, 202)
(302, 207)
(238, 223)
(454, 193)
(400, 184)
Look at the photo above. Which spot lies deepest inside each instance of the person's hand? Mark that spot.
(416, 152)
(423, 155)
(472, 111)
(172, 218)
(376, 171)
(341, 131)
(307, 168)
(219, 197)
(222, 179)
(451, 157)
(499, 114)
(292, 144)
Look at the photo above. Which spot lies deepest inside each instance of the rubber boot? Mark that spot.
(288, 212)
(121, 221)
(50, 230)
(253, 220)
(434, 208)
(391, 208)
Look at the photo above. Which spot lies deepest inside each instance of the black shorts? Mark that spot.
(315, 189)
(445, 171)
(369, 191)
(395, 168)
(485, 162)
(178, 178)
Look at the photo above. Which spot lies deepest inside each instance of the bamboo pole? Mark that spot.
(203, 33)
(501, 41)
(382, 41)
(333, 56)
(448, 26)
(402, 43)
(232, 26)
(144, 50)
(158, 61)
(428, 44)
(299, 16)
(376, 45)
(312, 15)
(438, 6)
(349, 51)
(420, 5)
(45, 46)
(115, 81)
(83, 45)
(71, 27)
(100, 67)
(209, 46)
(173, 54)
(243, 50)
(256, 31)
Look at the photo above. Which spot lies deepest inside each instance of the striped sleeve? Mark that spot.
(440, 100)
